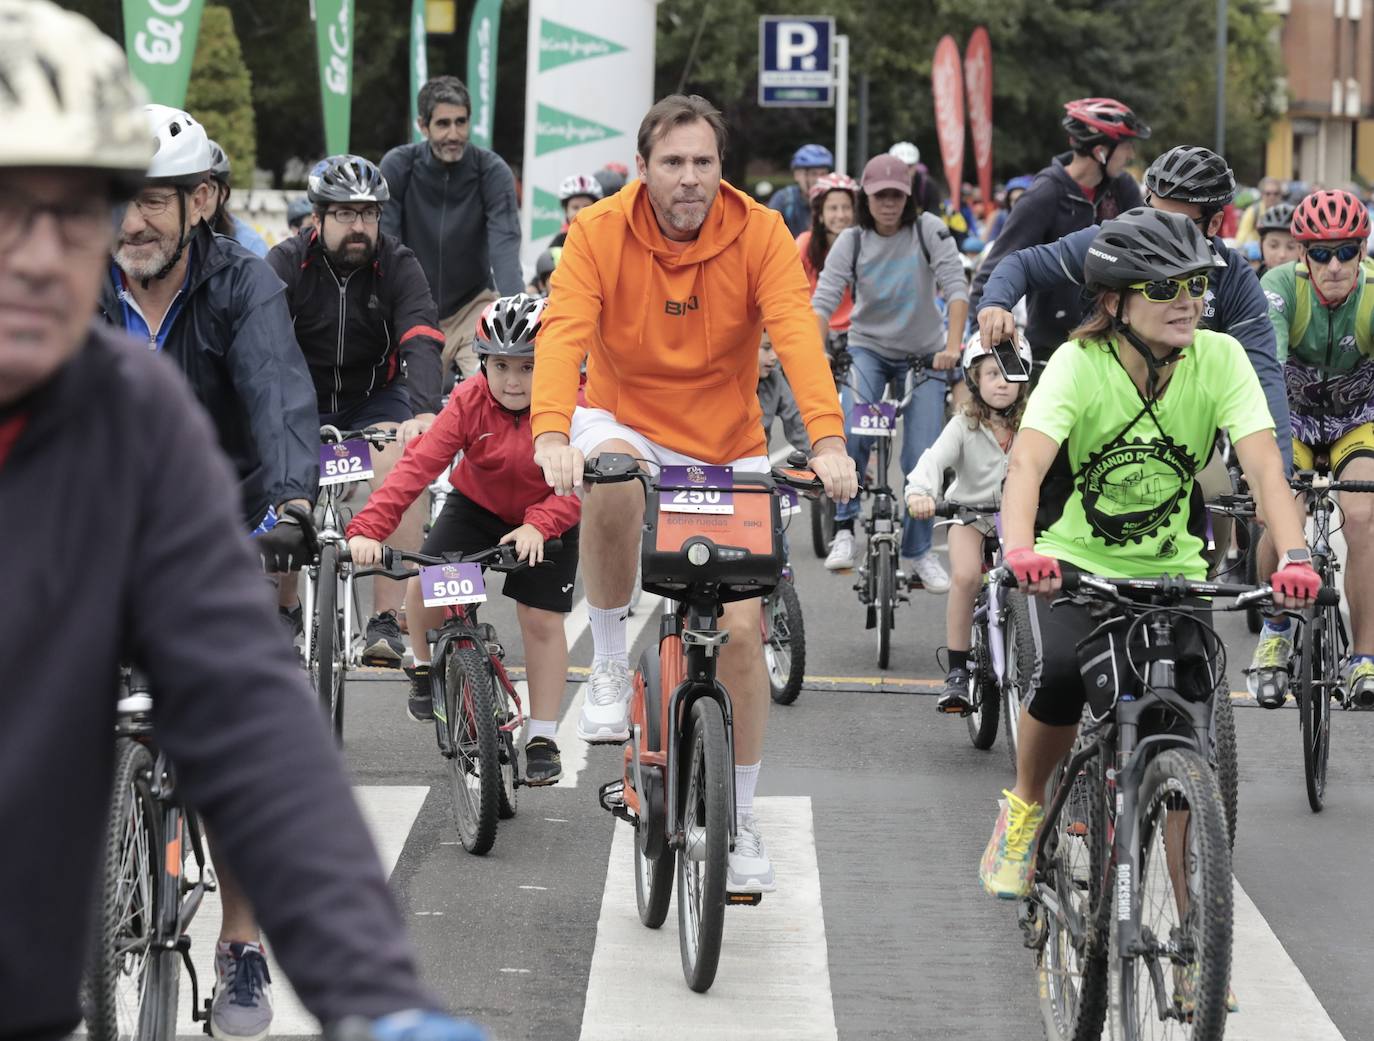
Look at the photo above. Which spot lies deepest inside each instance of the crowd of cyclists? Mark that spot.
(398, 303)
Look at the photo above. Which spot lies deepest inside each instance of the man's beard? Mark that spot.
(342, 258)
(139, 268)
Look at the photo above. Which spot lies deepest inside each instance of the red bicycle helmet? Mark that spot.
(1092, 121)
(1330, 216)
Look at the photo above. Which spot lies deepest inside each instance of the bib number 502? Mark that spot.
(340, 467)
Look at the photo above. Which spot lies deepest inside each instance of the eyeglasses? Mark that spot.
(154, 205)
(1322, 255)
(1166, 290)
(84, 226)
(346, 217)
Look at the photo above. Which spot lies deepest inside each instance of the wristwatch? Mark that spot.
(1296, 556)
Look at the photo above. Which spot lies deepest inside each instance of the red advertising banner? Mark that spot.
(978, 81)
(947, 84)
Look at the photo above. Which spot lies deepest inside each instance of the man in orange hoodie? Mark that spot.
(665, 289)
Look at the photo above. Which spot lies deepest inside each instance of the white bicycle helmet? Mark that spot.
(974, 352)
(69, 101)
(579, 184)
(906, 152)
(183, 158)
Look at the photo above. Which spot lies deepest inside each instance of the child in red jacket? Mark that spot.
(499, 496)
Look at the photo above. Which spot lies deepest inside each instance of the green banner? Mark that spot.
(160, 38)
(555, 129)
(419, 64)
(334, 39)
(561, 44)
(486, 22)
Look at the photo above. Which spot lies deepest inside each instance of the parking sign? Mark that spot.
(795, 61)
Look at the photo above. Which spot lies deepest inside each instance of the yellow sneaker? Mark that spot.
(1009, 860)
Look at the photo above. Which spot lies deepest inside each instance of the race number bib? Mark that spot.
(696, 489)
(878, 419)
(789, 499)
(446, 585)
(345, 462)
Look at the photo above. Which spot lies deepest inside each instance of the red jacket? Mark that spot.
(497, 470)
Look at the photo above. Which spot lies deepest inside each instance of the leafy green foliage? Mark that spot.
(220, 93)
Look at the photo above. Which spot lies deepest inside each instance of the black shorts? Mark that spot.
(391, 404)
(465, 527)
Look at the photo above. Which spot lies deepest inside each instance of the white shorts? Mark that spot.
(593, 427)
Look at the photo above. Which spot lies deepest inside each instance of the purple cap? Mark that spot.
(883, 172)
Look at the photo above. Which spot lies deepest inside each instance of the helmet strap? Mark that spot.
(182, 239)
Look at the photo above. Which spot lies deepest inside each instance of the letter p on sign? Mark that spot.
(797, 40)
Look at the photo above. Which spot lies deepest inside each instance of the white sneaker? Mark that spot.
(750, 870)
(841, 556)
(605, 715)
(929, 573)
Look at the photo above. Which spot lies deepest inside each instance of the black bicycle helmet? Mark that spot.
(1189, 173)
(508, 326)
(296, 212)
(1276, 218)
(219, 163)
(1144, 245)
(546, 262)
(346, 178)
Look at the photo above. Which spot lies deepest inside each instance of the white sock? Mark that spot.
(746, 779)
(540, 728)
(608, 633)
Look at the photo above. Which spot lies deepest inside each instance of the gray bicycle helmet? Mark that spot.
(1189, 173)
(546, 262)
(297, 211)
(219, 163)
(346, 178)
(1276, 218)
(1143, 245)
(509, 325)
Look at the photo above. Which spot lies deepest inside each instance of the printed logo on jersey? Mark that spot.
(1275, 300)
(677, 308)
(1130, 490)
(1209, 305)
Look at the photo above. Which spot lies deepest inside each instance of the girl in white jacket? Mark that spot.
(976, 444)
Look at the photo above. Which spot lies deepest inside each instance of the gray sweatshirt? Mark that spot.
(978, 462)
(894, 299)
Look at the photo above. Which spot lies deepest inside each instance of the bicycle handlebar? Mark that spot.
(617, 468)
(1311, 481)
(372, 435)
(497, 558)
(1175, 589)
(955, 510)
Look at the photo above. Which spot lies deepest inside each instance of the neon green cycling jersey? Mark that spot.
(1332, 340)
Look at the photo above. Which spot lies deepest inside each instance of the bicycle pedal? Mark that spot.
(381, 663)
(743, 899)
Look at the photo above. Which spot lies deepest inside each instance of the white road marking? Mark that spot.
(774, 978)
(390, 813)
(1276, 1002)
(572, 749)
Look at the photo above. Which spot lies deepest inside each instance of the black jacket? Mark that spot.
(461, 219)
(232, 339)
(360, 333)
(1052, 207)
(118, 516)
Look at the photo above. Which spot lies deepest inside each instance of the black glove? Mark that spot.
(284, 547)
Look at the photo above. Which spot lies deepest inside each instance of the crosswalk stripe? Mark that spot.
(390, 813)
(1276, 1001)
(774, 977)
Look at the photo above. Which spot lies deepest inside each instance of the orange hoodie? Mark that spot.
(671, 337)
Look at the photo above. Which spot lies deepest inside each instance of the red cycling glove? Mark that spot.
(1029, 566)
(1296, 580)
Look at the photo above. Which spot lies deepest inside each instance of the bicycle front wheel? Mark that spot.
(784, 645)
(1316, 674)
(130, 986)
(703, 860)
(326, 659)
(885, 599)
(1018, 666)
(822, 526)
(983, 693)
(1223, 756)
(1175, 987)
(475, 769)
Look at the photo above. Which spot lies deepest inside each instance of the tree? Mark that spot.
(220, 93)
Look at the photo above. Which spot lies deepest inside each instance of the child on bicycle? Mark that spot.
(776, 401)
(976, 444)
(499, 496)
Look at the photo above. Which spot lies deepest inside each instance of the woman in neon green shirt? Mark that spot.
(1123, 418)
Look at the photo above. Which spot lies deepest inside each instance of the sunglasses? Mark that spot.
(1323, 254)
(1166, 290)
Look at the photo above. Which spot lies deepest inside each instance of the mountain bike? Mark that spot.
(677, 783)
(881, 583)
(1131, 903)
(477, 710)
(146, 900)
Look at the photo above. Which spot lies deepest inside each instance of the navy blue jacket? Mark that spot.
(1052, 207)
(1235, 304)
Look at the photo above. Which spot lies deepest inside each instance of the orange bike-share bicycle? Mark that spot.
(710, 537)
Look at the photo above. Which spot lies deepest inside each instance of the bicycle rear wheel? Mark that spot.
(784, 645)
(885, 599)
(508, 754)
(1018, 666)
(1317, 672)
(475, 769)
(1183, 899)
(326, 659)
(703, 860)
(130, 986)
(1072, 964)
(983, 693)
(822, 526)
